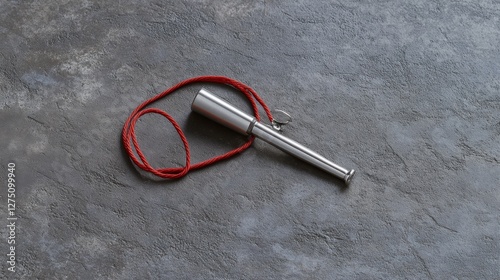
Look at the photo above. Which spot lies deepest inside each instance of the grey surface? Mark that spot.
(405, 93)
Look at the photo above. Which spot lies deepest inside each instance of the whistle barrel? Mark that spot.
(213, 107)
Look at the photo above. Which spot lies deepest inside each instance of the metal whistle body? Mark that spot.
(215, 108)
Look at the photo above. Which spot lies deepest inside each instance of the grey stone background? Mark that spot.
(408, 94)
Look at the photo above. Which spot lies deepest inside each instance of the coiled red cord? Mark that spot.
(128, 132)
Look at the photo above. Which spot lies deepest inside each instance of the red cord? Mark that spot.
(128, 132)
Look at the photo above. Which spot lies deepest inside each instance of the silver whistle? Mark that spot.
(213, 107)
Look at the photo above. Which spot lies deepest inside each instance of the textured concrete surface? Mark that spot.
(408, 94)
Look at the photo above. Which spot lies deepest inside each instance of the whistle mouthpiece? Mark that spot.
(348, 177)
(215, 108)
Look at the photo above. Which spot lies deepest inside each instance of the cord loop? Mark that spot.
(128, 132)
